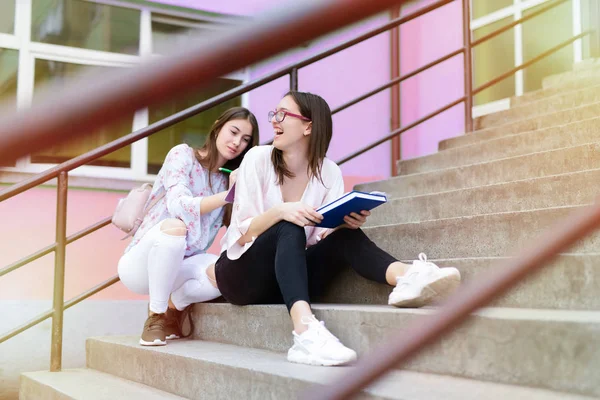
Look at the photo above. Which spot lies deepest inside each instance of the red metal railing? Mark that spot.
(45, 124)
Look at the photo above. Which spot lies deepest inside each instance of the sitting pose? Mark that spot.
(167, 257)
(272, 251)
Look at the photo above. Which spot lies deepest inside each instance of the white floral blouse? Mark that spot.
(186, 183)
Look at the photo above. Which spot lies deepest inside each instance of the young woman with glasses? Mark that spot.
(274, 253)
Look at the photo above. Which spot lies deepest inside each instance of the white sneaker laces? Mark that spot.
(423, 259)
(410, 278)
(321, 329)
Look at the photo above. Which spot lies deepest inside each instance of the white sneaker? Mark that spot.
(423, 283)
(318, 346)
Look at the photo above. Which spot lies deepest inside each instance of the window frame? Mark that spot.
(516, 11)
(30, 51)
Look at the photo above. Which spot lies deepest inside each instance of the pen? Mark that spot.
(227, 171)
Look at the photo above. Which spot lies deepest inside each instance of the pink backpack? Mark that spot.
(130, 211)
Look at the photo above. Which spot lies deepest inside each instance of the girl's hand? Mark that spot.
(355, 221)
(300, 214)
(326, 233)
(232, 178)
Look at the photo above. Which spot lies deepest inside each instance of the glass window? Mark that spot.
(87, 25)
(56, 73)
(493, 58)
(480, 8)
(7, 16)
(169, 32)
(537, 39)
(9, 60)
(192, 131)
(586, 24)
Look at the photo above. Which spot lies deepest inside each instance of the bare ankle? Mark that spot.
(210, 273)
(395, 270)
(298, 311)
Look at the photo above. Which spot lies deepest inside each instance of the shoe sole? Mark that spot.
(173, 337)
(301, 358)
(156, 342)
(434, 291)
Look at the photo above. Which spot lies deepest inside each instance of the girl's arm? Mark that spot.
(296, 213)
(211, 203)
(249, 211)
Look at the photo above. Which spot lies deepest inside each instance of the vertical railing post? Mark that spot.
(59, 273)
(294, 79)
(594, 24)
(468, 65)
(395, 91)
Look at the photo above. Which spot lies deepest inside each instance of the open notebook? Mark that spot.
(355, 201)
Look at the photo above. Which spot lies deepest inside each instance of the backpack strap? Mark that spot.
(154, 202)
(146, 210)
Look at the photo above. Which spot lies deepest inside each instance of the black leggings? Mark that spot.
(278, 268)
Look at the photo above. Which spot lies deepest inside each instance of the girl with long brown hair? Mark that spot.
(167, 257)
(273, 252)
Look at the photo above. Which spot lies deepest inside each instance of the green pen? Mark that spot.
(227, 171)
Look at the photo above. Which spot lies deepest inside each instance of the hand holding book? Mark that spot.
(336, 212)
(356, 220)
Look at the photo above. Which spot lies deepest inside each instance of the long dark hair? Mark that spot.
(316, 108)
(210, 152)
(208, 155)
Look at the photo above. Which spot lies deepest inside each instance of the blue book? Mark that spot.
(355, 201)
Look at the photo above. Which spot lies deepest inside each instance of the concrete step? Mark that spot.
(85, 384)
(489, 235)
(526, 125)
(571, 282)
(556, 137)
(591, 70)
(529, 194)
(206, 370)
(556, 350)
(546, 105)
(575, 84)
(530, 166)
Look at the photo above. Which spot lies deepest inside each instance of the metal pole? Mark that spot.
(294, 79)
(468, 66)
(59, 273)
(594, 24)
(89, 103)
(395, 91)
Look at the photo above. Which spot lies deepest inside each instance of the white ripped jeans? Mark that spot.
(156, 266)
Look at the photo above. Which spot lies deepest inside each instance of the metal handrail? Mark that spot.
(399, 131)
(517, 22)
(164, 72)
(459, 306)
(52, 247)
(68, 304)
(43, 125)
(397, 80)
(13, 129)
(530, 62)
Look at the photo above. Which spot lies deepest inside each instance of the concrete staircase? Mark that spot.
(471, 205)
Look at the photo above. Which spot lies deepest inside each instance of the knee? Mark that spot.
(288, 228)
(350, 234)
(174, 227)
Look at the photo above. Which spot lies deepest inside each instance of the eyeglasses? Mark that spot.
(281, 114)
